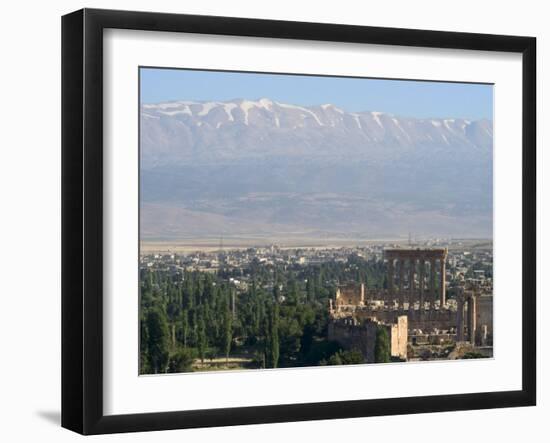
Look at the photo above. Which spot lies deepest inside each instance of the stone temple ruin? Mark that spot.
(361, 335)
(416, 296)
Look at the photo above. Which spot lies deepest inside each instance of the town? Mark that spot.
(275, 306)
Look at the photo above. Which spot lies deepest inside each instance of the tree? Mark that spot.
(275, 336)
(335, 360)
(144, 348)
(310, 290)
(320, 352)
(181, 361)
(158, 339)
(281, 318)
(201, 339)
(382, 346)
(184, 324)
(293, 297)
(228, 332)
(353, 357)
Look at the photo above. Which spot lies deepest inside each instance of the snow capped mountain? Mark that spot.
(209, 131)
(253, 167)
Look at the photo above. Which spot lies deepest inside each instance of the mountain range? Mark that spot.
(260, 168)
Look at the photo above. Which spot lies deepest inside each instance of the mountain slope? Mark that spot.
(317, 169)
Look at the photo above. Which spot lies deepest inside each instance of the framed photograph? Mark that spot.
(269, 221)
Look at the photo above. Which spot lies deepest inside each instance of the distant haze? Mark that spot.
(264, 169)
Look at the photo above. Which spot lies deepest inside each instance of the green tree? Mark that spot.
(181, 361)
(184, 325)
(158, 339)
(143, 347)
(352, 357)
(228, 332)
(382, 346)
(275, 336)
(201, 339)
(335, 360)
(310, 290)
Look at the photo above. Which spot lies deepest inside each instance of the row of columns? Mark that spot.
(412, 264)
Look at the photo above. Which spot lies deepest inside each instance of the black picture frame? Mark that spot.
(82, 218)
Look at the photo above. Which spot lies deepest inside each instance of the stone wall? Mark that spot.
(425, 321)
(361, 335)
(399, 337)
(484, 311)
(352, 335)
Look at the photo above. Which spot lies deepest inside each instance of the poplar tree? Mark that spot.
(158, 339)
(275, 336)
(184, 324)
(382, 346)
(201, 337)
(228, 332)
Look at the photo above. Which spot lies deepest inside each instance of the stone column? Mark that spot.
(460, 315)
(472, 319)
(442, 299)
(401, 278)
(412, 266)
(422, 277)
(484, 335)
(432, 282)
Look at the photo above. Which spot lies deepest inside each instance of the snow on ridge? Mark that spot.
(376, 117)
(265, 103)
(404, 128)
(185, 110)
(247, 105)
(227, 108)
(331, 106)
(144, 114)
(396, 122)
(207, 107)
(447, 125)
(357, 120)
(307, 111)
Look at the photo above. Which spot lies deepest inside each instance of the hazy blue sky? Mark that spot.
(405, 98)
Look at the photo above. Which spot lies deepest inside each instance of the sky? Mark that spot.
(420, 99)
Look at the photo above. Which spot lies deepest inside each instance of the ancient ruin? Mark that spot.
(411, 266)
(415, 296)
(361, 335)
